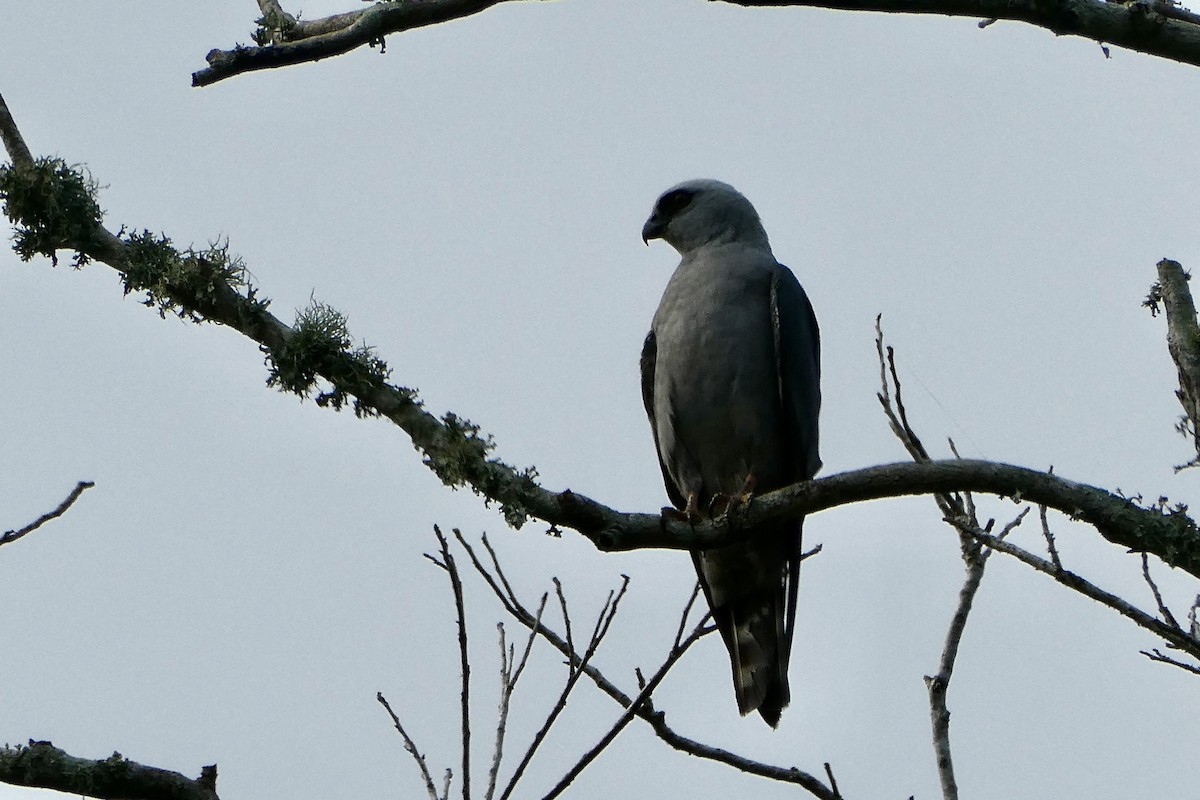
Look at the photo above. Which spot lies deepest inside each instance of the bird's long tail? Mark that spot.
(751, 589)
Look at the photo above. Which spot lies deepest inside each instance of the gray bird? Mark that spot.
(731, 382)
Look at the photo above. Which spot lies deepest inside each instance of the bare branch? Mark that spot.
(510, 673)
(1183, 342)
(1175, 636)
(646, 712)
(1158, 655)
(41, 765)
(1156, 27)
(939, 684)
(302, 41)
(12, 536)
(576, 665)
(627, 715)
(411, 747)
(1167, 616)
(464, 660)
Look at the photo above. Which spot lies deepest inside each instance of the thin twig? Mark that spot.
(1158, 599)
(562, 604)
(1158, 655)
(1175, 636)
(628, 714)
(657, 722)
(577, 665)
(1051, 548)
(411, 747)
(12, 536)
(465, 663)
(832, 781)
(510, 673)
(939, 684)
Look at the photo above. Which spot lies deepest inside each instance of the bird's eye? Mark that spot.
(674, 202)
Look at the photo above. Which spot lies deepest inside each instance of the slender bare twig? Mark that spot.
(499, 585)
(628, 714)
(832, 781)
(1168, 617)
(410, 746)
(510, 673)
(939, 684)
(464, 660)
(12, 536)
(1158, 655)
(576, 668)
(1051, 547)
(562, 604)
(1175, 636)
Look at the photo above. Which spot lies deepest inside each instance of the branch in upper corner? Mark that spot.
(12, 536)
(1183, 342)
(284, 40)
(1155, 27)
(41, 765)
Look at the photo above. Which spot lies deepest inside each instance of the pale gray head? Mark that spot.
(704, 212)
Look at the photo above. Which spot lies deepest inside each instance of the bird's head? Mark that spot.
(703, 212)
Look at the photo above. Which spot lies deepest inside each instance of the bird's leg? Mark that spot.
(690, 513)
(724, 503)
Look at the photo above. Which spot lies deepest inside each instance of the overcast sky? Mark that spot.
(247, 572)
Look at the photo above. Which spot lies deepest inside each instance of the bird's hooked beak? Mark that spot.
(654, 228)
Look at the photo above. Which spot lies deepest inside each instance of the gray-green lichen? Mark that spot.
(183, 282)
(53, 206)
(320, 345)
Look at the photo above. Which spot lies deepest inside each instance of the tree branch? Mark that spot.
(1183, 342)
(284, 40)
(12, 536)
(1155, 27)
(206, 288)
(41, 765)
(645, 711)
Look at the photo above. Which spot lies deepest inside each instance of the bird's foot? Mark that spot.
(690, 514)
(725, 503)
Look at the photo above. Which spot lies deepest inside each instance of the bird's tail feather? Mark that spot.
(750, 588)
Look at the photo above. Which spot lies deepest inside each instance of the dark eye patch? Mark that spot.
(675, 201)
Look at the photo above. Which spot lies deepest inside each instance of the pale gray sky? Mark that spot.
(247, 572)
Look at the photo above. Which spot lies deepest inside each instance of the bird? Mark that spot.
(730, 374)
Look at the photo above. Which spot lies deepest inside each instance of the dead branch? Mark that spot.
(41, 765)
(1156, 27)
(411, 747)
(1183, 342)
(498, 583)
(286, 40)
(464, 657)
(12, 536)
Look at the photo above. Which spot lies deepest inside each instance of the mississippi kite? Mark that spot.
(731, 383)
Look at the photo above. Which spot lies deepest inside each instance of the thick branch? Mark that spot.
(1156, 27)
(459, 459)
(42, 765)
(333, 36)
